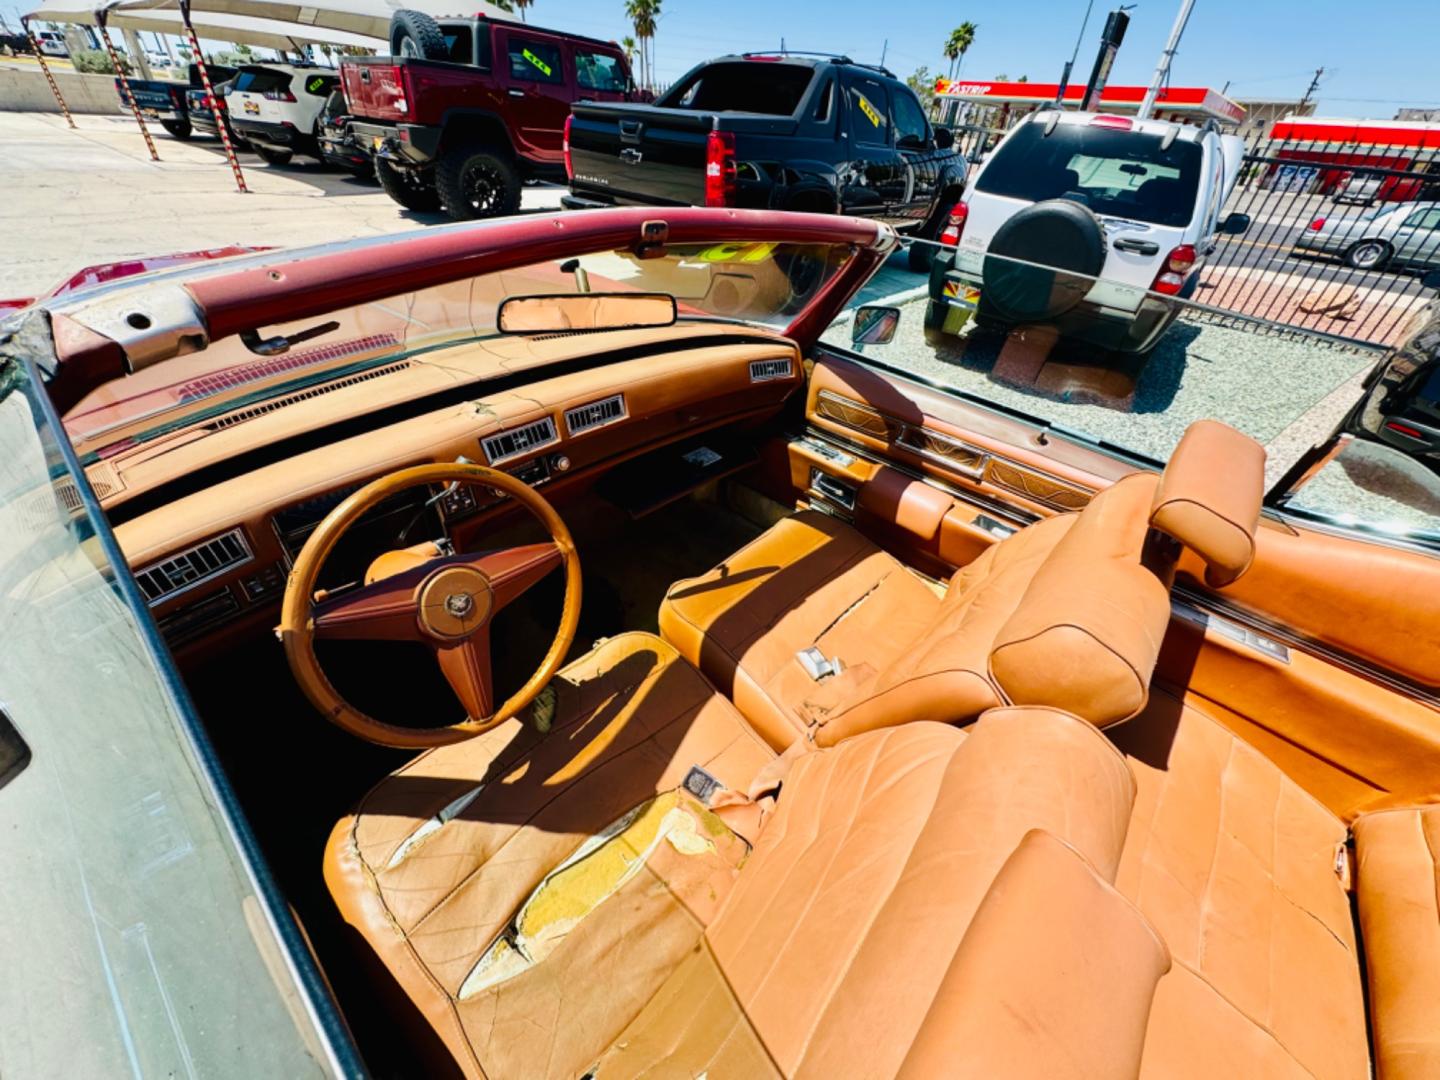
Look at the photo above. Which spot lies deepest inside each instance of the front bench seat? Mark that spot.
(1096, 575)
(536, 917)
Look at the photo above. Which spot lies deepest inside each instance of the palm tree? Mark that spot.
(958, 43)
(521, 5)
(627, 45)
(644, 14)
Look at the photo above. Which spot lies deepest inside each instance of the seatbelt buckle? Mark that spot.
(815, 664)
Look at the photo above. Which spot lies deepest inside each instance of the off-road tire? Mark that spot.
(273, 157)
(477, 181)
(1360, 257)
(179, 129)
(407, 188)
(413, 33)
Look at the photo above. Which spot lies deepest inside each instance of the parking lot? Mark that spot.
(76, 198)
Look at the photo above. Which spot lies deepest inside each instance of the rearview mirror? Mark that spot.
(569, 313)
(944, 138)
(1235, 224)
(875, 325)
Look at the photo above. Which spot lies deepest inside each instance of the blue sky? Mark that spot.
(1378, 55)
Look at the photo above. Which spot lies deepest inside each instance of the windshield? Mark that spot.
(750, 86)
(767, 284)
(1115, 173)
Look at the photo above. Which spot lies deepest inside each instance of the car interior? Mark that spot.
(698, 700)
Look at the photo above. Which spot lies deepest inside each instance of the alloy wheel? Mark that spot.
(484, 189)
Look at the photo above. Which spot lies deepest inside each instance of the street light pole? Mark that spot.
(1162, 69)
(1070, 64)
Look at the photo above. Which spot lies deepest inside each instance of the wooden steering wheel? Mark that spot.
(443, 601)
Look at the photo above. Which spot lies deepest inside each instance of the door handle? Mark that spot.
(517, 93)
(1136, 247)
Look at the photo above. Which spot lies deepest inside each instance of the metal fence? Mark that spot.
(1339, 233)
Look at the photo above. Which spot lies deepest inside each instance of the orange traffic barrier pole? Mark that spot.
(54, 86)
(212, 99)
(124, 83)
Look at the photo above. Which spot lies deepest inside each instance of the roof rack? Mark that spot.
(838, 58)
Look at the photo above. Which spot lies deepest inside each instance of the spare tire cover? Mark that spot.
(1067, 242)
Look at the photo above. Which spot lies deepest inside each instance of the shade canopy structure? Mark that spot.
(263, 33)
(369, 18)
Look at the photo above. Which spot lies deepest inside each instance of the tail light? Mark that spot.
(401, 79)
(278, 95)
(1171, 278)
(565, 145)
(955, 225)
(177, 98)
(1317, 224)
(719, 168)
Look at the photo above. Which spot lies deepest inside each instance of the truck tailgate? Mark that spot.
(639, 153)
(375, 90)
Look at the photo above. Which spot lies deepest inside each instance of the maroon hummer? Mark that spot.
(467, 109)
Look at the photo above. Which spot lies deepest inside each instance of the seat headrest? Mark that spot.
(1054, 977)
(1086, 635)
(1209, 498)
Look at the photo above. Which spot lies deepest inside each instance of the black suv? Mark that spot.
(778, 131)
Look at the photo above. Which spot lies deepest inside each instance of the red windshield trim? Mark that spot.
(277, 292)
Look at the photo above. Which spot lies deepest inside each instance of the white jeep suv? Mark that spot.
(276, 108)
(1077, 220)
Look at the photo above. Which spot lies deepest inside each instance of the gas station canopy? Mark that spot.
(1175, 102)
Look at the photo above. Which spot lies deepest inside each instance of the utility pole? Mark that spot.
(1314, 85)
(1162, 69)
(1070, 64)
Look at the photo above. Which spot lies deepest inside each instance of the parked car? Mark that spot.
(202, 120)
(781, 131)
(1129, 208)
(168, 101)
(467, 110)
(338, 146)
(276, 108)
(1399, 237)
(1401, 404)
(920, 735)
(52, 43)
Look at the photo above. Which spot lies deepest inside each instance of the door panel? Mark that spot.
(534, 71)
(1376, 603)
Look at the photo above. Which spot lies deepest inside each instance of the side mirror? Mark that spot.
(1235, 224)
(944, 138)
(1431, 280)
(875, 325)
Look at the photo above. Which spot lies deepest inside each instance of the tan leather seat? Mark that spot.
(557, 907)
(1236, 866)
(1095, 605)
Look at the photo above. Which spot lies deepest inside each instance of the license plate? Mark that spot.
(150, 114)
(252, 108)
(962, 296)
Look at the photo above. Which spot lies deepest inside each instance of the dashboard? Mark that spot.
(212, 530)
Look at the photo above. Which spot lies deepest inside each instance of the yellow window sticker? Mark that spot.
(746, 253)
(868, 109)
(536, 62)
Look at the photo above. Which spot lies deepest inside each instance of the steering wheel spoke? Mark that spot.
(383, 611)
(512, 571)
(466, 667)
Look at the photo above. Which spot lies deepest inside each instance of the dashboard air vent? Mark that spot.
(596, 414)
(190, 567)
(765, 370)
(517, 441)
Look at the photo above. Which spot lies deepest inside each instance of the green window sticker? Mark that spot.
(536, 61)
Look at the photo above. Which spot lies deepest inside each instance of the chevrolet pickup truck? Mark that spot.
(468, 109)
(167, 101)
(784, 131)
